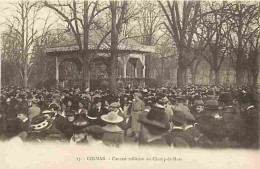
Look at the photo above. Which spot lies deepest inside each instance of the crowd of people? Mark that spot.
(195, 116)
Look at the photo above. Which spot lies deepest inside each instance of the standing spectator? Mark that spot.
(137, 108)
(43, 130)
(24, 123)
(34, 110)
(114, 135)
(79, 136)
(154, 124)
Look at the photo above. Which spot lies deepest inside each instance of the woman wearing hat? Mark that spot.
(138, 107)
(79, 136)
(42, 129)
(114, 135)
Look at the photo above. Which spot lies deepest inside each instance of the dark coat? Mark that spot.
(177, 139)
(156, 143)
(60, 123)
(211, 127)
(251, 121)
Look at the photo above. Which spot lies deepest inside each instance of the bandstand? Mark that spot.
(129, 51)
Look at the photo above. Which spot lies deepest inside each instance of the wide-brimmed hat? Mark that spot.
(182, 116)
(156, 117)
(49, 112)
(39, 123)
(112, 117)
(212, 105)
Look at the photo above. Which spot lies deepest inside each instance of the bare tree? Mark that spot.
(23, 23)
(182, 24)
(213, 32)
(243, 17)
(150, 23)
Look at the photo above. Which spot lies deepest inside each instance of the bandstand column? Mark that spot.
(144, 66)
(144, 71)
(57, 70)
(124, 75)
(135, 70)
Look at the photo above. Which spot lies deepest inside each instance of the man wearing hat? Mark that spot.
(154, 124)
(250, 116)
(211, 124)
(231, 116)
(197, 108)
(210, 95)
(23, 124)
(183, 133)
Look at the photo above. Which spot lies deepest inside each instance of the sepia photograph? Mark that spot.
(129, 83)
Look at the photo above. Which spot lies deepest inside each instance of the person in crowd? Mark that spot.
(23, 124)
(211, 124)
(68, 126)
(197, 109)
(115, 107)
(43, 130)
(183, 133)
(138, 107)
(82, 107)
(94, 134)
(34, 110)
(154, 124)
(114, 135)
(79, 136)
(250, 116)
(210, 95)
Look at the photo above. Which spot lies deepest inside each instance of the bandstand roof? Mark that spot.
(127, 45)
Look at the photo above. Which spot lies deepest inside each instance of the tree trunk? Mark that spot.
(181, 71)
(114, 54)
(211, 73)
(85, 54)
(217, 77)
(181, 77)
(193, 77)
(86, 71)
(258, 85)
